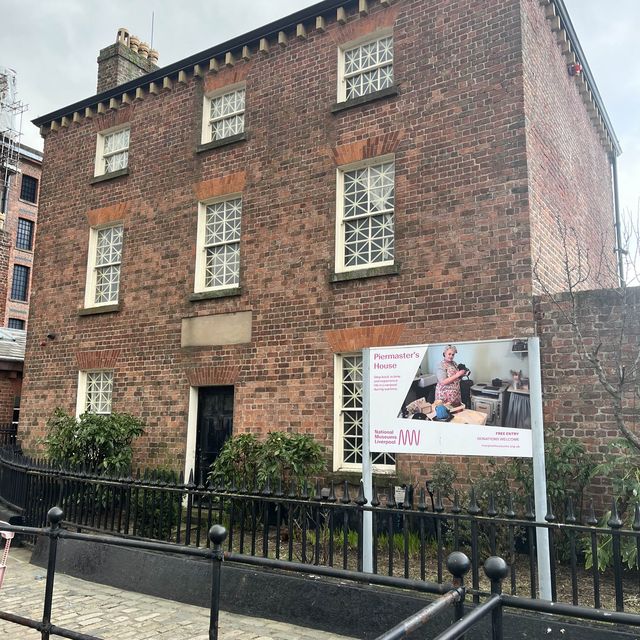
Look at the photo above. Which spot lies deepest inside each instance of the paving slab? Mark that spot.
(115, 614)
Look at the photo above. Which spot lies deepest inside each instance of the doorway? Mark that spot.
(214, 426)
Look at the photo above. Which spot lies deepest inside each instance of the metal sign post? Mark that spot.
(539, 473)
(367, 470)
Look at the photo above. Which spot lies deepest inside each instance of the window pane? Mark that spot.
(99, 391)
(107, 264)
(16, 323)
(29, 189)
(20, 284)
(222, 243)
(115, 150)
(368, 68)
(24, 238)
(226, 115)
(351, 412)
(368, 206)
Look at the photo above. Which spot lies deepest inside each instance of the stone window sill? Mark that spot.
(223, 142)
(371, 272)
(370, 97)
(211, 295)
(110, 176)
(92, 311)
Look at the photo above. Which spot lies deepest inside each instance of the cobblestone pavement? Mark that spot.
(114, 614)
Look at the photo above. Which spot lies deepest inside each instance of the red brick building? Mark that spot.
(219, 238)
(19, 186)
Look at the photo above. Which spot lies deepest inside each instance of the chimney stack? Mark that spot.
(125, 60)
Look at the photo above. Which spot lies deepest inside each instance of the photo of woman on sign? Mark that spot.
(448, 374)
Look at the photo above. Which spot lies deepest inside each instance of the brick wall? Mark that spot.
(457, 132)
(569, 168)
(17, 209)
(10, 384)
(575, 402)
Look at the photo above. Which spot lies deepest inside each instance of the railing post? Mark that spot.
(54, 516)
(458, 565)
(217, 535)
(496, 569)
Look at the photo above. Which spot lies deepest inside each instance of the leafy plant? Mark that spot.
(293, 457)
(238, 462)
(100, 442)
(245, 460)
(443, 476)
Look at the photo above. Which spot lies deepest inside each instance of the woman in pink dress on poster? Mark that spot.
(448, 387)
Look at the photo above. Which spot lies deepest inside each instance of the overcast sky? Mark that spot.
(53, 45)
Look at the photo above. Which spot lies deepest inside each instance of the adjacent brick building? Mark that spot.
(19, 186)
(219, 238)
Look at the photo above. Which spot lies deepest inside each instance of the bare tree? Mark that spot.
(611, 350)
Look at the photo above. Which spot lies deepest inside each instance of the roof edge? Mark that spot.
(198, 58)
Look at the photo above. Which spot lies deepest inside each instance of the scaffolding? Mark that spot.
(11, 110)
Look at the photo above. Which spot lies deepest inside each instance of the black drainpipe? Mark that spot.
(616, 211)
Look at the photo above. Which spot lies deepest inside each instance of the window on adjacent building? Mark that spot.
(112, 153)
(24, 238)
(348, 417)
(16, 323)
(103, 270)
(95, 390)
(365, 68)
(218, 252)
(365, 220)
(20, 283)
(29, 188)
(223, 115)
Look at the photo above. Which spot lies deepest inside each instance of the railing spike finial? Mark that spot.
(332, 493)
(346, 497)
(530, 513)
(305, 491)
(636, 518)
(439, 507)
(391, 498)
(510, 513)
(570, 516)
(360, 499)
(614, 522)
(550, 516)
(422, 497)
(375, 502)
(279, 492)
(255, 490)
(317, 496)
(293, 489)
(266, 491)
(473, 509)
(456, 502)
(492, 512)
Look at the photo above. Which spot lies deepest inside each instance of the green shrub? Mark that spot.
(100, 442)
(245, 460)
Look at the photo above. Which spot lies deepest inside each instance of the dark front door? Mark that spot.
(215, 422)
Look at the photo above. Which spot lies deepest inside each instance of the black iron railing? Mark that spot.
(55, 533)
(325, 528)
(8, 434)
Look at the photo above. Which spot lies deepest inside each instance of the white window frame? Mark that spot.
(92, 266)
(83, 385)
(338, 424)
(207, 120)
(354, 44)
(201, 247)
(340, 240)
(100, 162)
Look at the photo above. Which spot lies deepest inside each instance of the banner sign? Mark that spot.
(472, 399)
